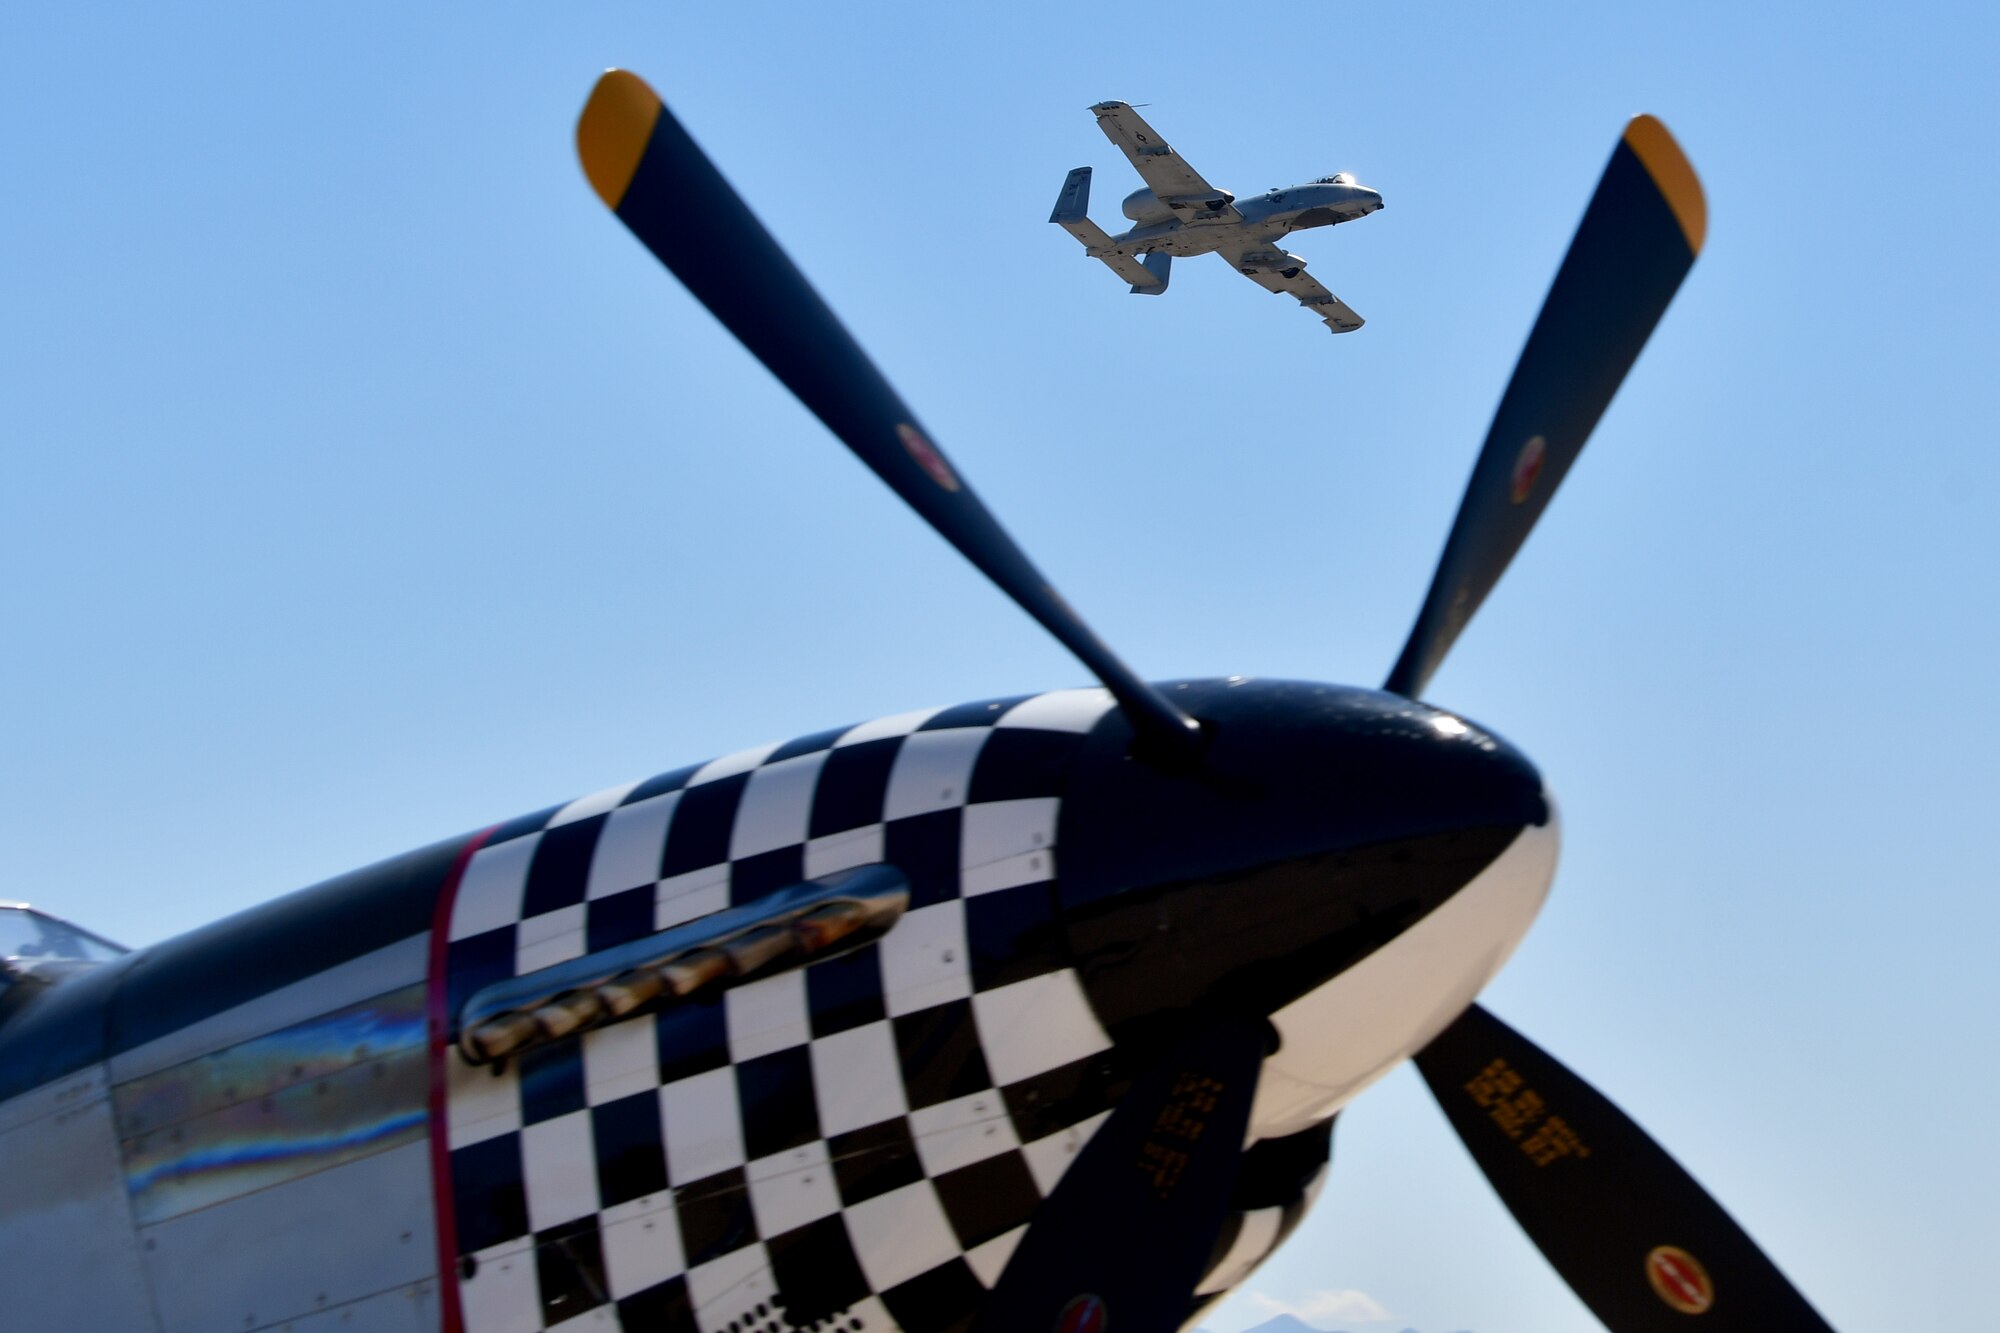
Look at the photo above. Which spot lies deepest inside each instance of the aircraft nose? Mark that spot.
(1325, 825)
(1345, 1033)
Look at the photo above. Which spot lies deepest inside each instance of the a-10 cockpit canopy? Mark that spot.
(32, 935)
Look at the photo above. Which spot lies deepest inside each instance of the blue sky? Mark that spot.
(368, 484)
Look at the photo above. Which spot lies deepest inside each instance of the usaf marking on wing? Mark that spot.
(1180, 213)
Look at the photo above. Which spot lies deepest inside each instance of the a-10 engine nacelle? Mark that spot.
(1143, 206)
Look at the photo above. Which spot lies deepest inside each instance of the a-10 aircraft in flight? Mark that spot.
(1028, 1015)
(1179, 213)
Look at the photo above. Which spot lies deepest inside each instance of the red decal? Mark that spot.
(451, 1320)
(1679, 1279)
(927, 456)
(1084, 1314)
(1528, 466)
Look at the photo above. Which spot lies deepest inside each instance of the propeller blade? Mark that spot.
(1632, 1233)
(1134, 1222)
(1636, 242)
(663, 187)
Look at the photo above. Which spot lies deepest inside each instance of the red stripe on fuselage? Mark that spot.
(451, 1320)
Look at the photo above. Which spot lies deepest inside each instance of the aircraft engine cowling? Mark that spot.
(1143, 207)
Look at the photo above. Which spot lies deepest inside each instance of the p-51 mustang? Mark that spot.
(1179, 213)
(1027, 1014)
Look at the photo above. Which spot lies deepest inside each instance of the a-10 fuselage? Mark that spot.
(288, 1116)
(1196, 227)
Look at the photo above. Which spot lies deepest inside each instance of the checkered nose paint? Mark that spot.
(865, 1137)
(869, 1135)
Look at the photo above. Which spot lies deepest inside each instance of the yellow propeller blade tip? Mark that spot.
(612, 133)
(1673, 174)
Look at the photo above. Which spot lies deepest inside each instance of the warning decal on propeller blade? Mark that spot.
(1084, 1314)
(1679, 1279)
(927, 456)
(1528, 466)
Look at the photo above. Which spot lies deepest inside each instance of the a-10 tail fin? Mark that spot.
(1072, 214)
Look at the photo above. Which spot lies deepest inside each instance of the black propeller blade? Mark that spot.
(1128, 1232)
(1636, 242)
(1632, 1233)
(662, 186)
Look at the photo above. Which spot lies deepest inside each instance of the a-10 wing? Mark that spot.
(1276, 271)
(1165, 172)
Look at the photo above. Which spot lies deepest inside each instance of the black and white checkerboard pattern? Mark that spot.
(859, 1143)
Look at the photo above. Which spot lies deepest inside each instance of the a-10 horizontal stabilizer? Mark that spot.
(1072, 214)
(1073, 204)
